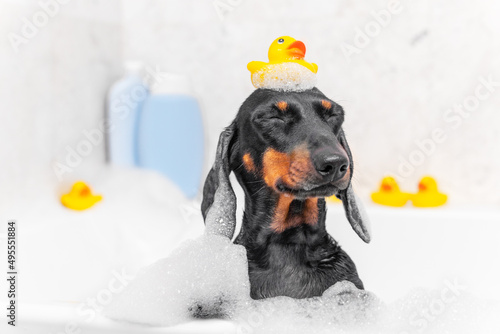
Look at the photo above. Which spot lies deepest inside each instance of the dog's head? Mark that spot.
(293, 143)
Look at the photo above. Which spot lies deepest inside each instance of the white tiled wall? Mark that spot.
(428, 58)
(396, 90)
(53, 87)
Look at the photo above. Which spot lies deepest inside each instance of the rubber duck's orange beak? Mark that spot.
(85, 192)
(386, 187)
(422, 187)
(297, 50)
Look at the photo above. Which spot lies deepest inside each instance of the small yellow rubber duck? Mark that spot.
(389, 193)
(284, 49)
(428, 194)
(80, 197)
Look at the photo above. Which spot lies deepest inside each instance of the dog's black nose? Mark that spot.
(330, 165)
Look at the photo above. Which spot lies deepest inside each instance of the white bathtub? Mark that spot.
(410, 248)
(424, 247)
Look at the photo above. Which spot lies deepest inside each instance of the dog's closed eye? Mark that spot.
(278, 114)
(332, 113)
(268, 120)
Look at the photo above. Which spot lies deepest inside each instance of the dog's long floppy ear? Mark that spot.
(353, 207)
(219, 201)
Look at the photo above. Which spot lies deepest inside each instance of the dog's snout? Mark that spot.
(330, 165)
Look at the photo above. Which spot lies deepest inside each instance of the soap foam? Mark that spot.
(204, 277)
(208, 277)
(286, 76)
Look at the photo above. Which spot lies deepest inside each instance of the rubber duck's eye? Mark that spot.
(281, 41)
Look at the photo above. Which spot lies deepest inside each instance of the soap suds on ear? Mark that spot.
(286, 77)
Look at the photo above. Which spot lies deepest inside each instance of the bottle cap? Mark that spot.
(171, 83)
(134, 67)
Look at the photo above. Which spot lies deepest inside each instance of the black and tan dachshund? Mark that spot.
(288, 152)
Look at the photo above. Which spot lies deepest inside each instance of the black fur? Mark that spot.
(302, 261)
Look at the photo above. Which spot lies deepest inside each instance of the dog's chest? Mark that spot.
(295, 270)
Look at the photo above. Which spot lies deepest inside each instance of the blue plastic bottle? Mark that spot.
(170, 135)
(125, 100)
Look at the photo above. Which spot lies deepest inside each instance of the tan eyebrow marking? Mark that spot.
(248, 162)
(326, 104)
(282, 105)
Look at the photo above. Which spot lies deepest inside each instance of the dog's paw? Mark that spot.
(213, 309)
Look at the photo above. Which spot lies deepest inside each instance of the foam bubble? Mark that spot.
(208, 277)
(205, 277)
(286, 76)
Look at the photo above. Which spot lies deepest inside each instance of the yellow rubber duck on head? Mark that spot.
(284, 49)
